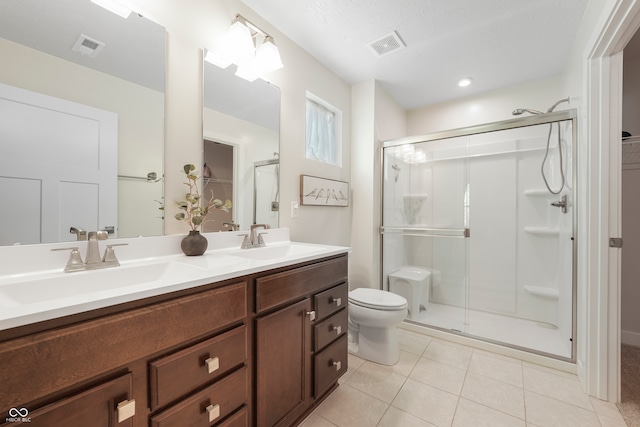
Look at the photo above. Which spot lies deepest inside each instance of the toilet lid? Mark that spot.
(377, 299)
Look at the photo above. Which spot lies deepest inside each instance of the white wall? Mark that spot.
(487, 107)
(198, 24)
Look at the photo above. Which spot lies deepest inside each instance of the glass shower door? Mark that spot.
(425, 229)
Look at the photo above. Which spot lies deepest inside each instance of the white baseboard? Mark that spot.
(631, 338)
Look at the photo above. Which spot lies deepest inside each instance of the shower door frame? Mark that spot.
(546, 118)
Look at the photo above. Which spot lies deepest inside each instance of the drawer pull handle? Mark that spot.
(336, 301)
(126, 409)
(213, 364)
(312, 315)
(337, 365)
(338, 329)
(213, 411)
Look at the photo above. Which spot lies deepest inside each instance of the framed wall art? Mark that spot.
(315, 191)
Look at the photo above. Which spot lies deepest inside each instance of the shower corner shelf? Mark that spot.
(535, 192)
(542, 231)
(543, 291)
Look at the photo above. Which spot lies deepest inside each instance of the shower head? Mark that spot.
(553, 107)
(519, 111)
(396, 168)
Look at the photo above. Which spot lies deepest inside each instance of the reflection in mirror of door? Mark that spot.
(218, 161)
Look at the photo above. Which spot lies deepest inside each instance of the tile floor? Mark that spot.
(440, 383)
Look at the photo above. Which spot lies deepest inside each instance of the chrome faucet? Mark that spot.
(562, 203)
(232, 226)
(92, 261)
(254, 238)
(79, 232)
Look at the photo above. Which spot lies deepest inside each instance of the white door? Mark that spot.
(58, 167)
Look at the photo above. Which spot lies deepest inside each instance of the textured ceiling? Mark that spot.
(498, 43)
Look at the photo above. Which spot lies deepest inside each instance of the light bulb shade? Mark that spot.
(239, 46)
(246, 73)
(268, 57)
(114, 7)
(216, 59)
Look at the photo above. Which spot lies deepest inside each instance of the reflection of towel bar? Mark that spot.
(151, 177)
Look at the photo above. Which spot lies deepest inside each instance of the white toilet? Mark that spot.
(413, 284)
(373, 316)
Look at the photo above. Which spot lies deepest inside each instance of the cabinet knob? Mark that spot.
(336, 301)
(337, 365)
(312, 315)
(126, 409)
(337, 329)
(213, 364)
(213, 411)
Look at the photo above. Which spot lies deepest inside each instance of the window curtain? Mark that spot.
(321, 133)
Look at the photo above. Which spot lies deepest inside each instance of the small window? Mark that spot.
(324, 131)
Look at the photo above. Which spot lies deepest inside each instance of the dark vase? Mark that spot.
(194, 243)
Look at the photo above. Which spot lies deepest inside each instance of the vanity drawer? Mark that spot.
(177, 374)
(330, 364)
(239, 419)
(331, 300)
(330, 329)
(280, 288)
(205, 407)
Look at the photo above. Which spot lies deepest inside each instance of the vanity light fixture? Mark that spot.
(464, 82)
(250, 48)
(114, 7)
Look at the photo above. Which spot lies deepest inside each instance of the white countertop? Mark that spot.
(34, 287)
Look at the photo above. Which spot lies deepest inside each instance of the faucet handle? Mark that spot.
(75, 259)
(98, 235)
(110, 254)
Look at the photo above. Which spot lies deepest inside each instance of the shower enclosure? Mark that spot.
(471, 209)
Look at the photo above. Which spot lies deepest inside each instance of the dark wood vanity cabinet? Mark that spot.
(259, 350)
(301, 336)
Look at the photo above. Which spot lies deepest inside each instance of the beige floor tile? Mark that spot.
(353, 364)
(314, 420)
(412, 342)
(348, 407)
(548, 412)
(557, 387)
(549, 370)
(440, 375)
(426, 402)
(450, 353)
(494, 394)
(471, 414)
(611, 422)
(607, 409)
(380, 383)
(405, 365)
(397, 418)
(500, 369)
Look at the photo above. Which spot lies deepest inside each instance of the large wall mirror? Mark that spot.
(241, 128)
(87, 150)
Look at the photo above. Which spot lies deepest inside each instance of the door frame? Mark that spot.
(600, 371)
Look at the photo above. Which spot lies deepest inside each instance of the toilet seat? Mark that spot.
(377, 299)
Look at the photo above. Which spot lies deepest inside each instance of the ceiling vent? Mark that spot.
(387, 44)
(86, 46)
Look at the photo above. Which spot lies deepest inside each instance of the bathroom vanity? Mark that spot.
(259, 343)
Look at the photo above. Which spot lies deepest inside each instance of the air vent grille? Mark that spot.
(87, 46)
(387, 44)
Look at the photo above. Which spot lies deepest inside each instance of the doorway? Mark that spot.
(218, 182)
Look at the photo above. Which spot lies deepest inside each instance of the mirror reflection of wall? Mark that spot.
(246, 116)
(125, 78)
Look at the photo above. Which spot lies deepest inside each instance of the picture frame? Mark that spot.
(316, 191)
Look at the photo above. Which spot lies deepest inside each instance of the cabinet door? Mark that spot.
(283, 364)
(96, 407)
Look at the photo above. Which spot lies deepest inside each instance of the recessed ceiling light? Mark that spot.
(464, 82)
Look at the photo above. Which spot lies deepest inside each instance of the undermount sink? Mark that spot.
(273, 252)
(63, 285)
